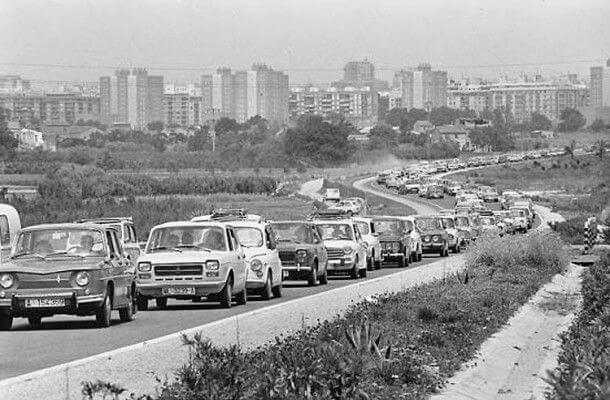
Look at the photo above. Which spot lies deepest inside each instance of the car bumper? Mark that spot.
(173, 289)
(391, 255)
(340, 264)
(74, 302)
(432, 247)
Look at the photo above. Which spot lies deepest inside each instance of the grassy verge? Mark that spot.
(377, 205)
(153, 210)
(400, 346)
(584, 361)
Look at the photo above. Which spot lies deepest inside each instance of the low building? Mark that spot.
(452, 132)
(472, 123)
(30, 139)
(81, 132)
(423, 127)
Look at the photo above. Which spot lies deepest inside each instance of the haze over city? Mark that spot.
(310, 40)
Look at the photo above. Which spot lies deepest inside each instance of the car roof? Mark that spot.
(289, 221)
(66, 225)
(104, 220)
(177, 224)
(333, 221)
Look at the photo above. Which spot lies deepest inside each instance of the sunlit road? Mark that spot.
(65, 338)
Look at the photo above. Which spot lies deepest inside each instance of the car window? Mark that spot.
(116, 243)
(5, 234)
(111, 244)
(249, 236)
(428, 223)
(293, 232)
(187, 238)
(363, 227)
(448, 223)
(60, 241)
(336, 232)
(389, 226)
(233, 239)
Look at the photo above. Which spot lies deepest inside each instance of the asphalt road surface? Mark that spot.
(66, 338)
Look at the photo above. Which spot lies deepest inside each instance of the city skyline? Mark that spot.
(403, 34)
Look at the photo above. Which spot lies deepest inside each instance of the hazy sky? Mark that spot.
(310, 39)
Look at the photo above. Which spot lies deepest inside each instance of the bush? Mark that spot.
(584, 361)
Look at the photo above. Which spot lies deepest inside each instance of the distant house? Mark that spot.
(358, 138)
(30, 139)
(542, 134)
(423, 127)
(472, 123)
(455, 133)
(82, 132)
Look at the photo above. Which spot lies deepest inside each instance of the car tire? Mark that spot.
(226, 296)
(161, 302)
(242, 297)
(142, 303)
(266, 291)
(35, 322)
(103, 313)
(127, 314)
(402, 262)
(363, 272)
(277, 290)
(6, 322)
(369, 263)
(377, 264)
(324, 277)
(312, 280)
(355, 271)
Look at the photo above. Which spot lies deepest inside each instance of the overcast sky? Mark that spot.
(311, 39)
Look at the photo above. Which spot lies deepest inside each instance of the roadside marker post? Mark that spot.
(590, 234)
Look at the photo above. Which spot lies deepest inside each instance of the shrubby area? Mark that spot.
(401, 346)
(584, 360)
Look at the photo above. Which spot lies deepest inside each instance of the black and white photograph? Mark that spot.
(304, 200)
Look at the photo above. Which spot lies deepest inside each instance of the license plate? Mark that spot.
(285, 274)
(335, 262)
(45, 302)
(178, 290)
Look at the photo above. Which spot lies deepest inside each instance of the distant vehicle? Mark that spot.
(371, 237)
(188, 260)
(489, 226)
(416, 240)
(77, 269)
(332, 195)
(395, 240)
(466, 226)
(434, 236)
(490, 195)
(528, 214)
(301, 252)
(126, 232)
(454, 237)
(349, 207)
(382, 178)
(435, 192)
(345, 247)
(519, 217)
(409, 187)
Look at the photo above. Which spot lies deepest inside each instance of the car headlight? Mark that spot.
(7, 280)
(395, 246)
(450, 236)
(212, 265)
(144, 267)
(435, 238)
(255, 265)
(426, 238)
(348, 250)
(82, 278)
(301, 254)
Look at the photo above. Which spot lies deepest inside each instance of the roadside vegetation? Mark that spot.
(398, 346)
(584, 360)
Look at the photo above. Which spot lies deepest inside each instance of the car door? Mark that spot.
(318, 247)
(130, 243)
(116, 269)
(273, 255)
(361, 244)
(239, 262)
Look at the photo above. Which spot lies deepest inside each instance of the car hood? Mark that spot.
(338, 243)
(390, 238)
(252, 252)
(170, 257)
(432, 232)
(36, 266)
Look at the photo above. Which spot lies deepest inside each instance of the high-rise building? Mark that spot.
(51, 108)
(12, 84)
(357, 105)
(181, 109)
(360, 74)
(422, 87)
(245, 94)
(600, 86)
(131, 97)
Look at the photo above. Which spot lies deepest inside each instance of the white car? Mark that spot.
(189, 260)
(416, 240)
(349, 207)
(519, 217)
(367, 230)
(345, 247)
(257, 239)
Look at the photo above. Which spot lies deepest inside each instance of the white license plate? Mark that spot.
(334, 262)
(45, 302)
(179, 290)
(285, 274)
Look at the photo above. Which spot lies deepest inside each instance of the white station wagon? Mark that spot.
(189, 260)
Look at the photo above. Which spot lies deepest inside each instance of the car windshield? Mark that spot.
(335, 232)
(292, 232)
(428, 223)
(363, 227)
(462, 221)
(249, 236)
(389, 226)
(517, 213)
(487, 220)
(65, 241)
(187, 237)
(448, 223)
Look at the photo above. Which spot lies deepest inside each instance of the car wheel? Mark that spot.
(161, 302)
(324, 277)
(35, 322)
(377, 264)
(242, 297)
(402, 262)
(266, 290)
(277, 290)
(355, 272)
(369, 263)
(363, 272)
(312, 280)
(142, 303)
(6, 322)
(420, 255)
(226, 296)
(102, 315)
(127, 313)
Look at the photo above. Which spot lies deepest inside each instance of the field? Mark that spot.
(563, 139)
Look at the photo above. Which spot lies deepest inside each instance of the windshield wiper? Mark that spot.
(31, 255)
(65, 253)
(190, 246)
(166, 248)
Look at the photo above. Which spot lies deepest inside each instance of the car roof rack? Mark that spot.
(103, 220)
(329, 214)
(229, 214)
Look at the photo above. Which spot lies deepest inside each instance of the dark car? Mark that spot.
(126, 232)
(301, 251)
(77, 269)
(394, 240)
(435, 192)
(433, 235)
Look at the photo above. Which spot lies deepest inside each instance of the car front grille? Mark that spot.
(287, 256)
(335, 253)
(178, 270)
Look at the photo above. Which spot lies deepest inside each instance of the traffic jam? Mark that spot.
(93, 267)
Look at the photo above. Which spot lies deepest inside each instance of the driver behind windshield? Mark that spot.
(213, 239)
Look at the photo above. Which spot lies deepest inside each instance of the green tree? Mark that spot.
(382, 136)
(571, 120)
(156, 126)
(225, 125)
(598, 125)
(443, 115)
(540, 122)
(8, 142)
